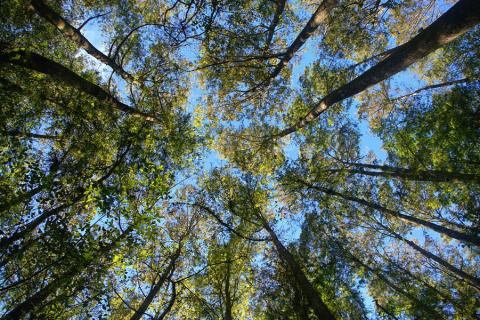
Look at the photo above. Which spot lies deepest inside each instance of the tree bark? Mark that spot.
(34, 61)
(43, 10)
(387, 281)
(223, 223)
(23, 196)
(170, 303)
(464, 15)
(418, 278)
(32, 225)
(31, 135)
(319, 17)
(388, 313)
(36, 300)
(307, 289)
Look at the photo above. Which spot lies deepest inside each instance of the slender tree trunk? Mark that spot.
(43, 10)
(415, 277)
(464, 15)
(388, 313)
(156, 288)
(31, 135)
(383, 55)
(17, 251)
(410, 174)
(27, 195)
(419, 176)
(302, 312)
(433, 86)
(7, 204)
(279, 8)
(475, 282)
(34, 61)
(307, 289)
(319, 17)
(30, 277)
(32, 225)
(228, 297)
(387, 281)
(470, 238)
(10, 86)
(37, 299)
(223, 223)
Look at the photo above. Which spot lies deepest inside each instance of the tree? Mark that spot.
(455, 22)
(146, 172)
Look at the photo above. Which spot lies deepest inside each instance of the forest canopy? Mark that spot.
(254, 159)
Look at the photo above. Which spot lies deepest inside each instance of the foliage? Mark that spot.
(151, 178)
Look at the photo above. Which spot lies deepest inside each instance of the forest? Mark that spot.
(240, 159)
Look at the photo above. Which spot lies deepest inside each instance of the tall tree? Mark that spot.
(455, 22)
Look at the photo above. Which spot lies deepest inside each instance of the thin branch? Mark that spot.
(91, 18)
(433, 86)
(220, 221)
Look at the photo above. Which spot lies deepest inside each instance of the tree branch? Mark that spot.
(43, 10)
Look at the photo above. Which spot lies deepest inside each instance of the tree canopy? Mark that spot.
(224, 159)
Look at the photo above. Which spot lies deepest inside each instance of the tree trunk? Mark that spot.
(37, 299)
(32, 225)
(170, 303)
(412, 174)
(315, 21)
(228, 297)
(312, 296)
(464, 15)
(31, 135)
(470, 238)
(387, 281)
(433, 86)
(43, 10)
(34, 61)
(280, 7)
(7, 204)
(17, 251)
(388, 313)
(27, 195)
(418, 278)
(156, 288)
(475, 282)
